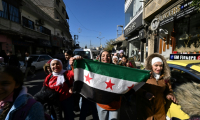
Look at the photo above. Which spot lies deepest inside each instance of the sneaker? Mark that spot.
(33, 76)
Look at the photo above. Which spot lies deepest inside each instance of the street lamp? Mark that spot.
(100, 40)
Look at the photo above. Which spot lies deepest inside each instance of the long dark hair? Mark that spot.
(17, 76)
(101, 54)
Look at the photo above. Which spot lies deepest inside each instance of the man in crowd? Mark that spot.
(12, 59)
(68, 54)
(27, 64)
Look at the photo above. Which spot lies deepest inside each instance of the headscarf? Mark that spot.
(61, 78)
(154, 60)
(115, 57)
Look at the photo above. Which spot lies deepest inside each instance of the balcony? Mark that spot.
(16, 28)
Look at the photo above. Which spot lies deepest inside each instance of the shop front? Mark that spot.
(44, 47)
(187, 30)
(177, 29)
(20, 47)
(57, 44)
(135, 45)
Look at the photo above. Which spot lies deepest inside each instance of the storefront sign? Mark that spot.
(155, 23)
(20, 43)
(168, 20)
(45, 43)
(175, 13)
(170, 13)
(134, 25)
(184, 56)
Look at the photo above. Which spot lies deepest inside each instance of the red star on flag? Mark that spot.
(88, 78)
(131, 87)
(109, 84)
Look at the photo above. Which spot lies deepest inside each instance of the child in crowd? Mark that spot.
(14, 99)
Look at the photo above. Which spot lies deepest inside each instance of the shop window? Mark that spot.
(134, 49)
(188, 34)
(45, 30)
(10, 12)
(28, 23)
(4, 13)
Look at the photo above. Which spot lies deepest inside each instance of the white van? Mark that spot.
(87, 53)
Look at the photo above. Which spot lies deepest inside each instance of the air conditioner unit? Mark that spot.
(37, 23)
(41, 22)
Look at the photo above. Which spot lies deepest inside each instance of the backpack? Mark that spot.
(22, 113)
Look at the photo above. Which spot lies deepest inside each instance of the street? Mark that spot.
(35, 84)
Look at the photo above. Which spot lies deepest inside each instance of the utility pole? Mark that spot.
(100, 39)
(120, 32)
(90, 45)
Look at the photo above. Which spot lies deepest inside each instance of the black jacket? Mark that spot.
(13, 60)
(28, 62)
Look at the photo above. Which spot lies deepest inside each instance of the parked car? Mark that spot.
(87, 53)
(38, 62)
(182, 71)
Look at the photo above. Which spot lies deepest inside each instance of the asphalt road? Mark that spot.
(127, 111)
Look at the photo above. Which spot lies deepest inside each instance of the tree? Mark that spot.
(109, 46)
(196, 3)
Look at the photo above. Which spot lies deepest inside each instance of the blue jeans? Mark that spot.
(67, 108)
(107, 114)
(84, 107)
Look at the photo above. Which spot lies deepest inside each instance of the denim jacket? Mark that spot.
(35, 113)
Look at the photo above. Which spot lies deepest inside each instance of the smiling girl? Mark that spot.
(13, 96)
(151, 98)
(61, 81)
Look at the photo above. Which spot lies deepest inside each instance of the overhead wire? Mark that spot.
(80, 22)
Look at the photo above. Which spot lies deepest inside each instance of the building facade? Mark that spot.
(134, 26)
(25, 27)
(173, 27)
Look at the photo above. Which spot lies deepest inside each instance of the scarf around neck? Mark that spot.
(156, 76)
(60, 76)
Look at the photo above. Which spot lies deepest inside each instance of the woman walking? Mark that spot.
(151, 98)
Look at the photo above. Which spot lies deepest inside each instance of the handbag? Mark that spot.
(46, 94)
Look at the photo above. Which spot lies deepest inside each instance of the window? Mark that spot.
(35, 58)
(84, 54)
(47, 58)
(57, 2)
(42, 58)
(28, 23)
(4, 13)
(179, 77)
(45, 30)
(14, 13)
(10, 12)
(63, 10)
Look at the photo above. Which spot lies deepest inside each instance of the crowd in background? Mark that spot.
(56, 93)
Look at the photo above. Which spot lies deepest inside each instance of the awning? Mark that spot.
(116, 42)
(124, 44)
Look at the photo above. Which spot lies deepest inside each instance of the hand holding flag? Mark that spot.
(103, 82)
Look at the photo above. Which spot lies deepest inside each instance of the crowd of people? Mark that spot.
(57, 91)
